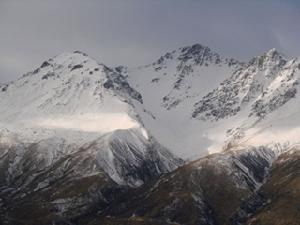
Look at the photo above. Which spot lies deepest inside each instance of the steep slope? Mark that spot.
(171, 86)
(70, 139)
(244, 86)
(37, 190)
(192, 95)
(68, 92)
(51, 181)
(258, 103)
(73, 97)
(202, 99)
(130, 158)
(277, 202)
(207, 191)
(81, 143)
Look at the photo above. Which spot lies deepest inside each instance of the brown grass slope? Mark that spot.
(281, 193)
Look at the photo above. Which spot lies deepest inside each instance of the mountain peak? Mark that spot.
(195, 54)
(269, 59)
(80, 52)
(194, 49)
(198, 53)
(67, 92)
(272, 52)
(72, 63)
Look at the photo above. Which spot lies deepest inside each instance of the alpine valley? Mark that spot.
(193, 138)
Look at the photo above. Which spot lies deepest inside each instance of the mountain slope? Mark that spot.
(171, 86)
(53, 181)
(69, 139)
(278, 199)
(206, 191)
(192, 95)
(259, 102)
(68, 92)
(202, 99)
(82, 143)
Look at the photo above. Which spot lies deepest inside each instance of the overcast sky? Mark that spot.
(135, 32)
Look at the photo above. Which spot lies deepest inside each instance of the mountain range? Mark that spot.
(192, 138)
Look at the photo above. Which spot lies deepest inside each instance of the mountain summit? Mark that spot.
(72, 105)
(68, 92)
(203, 99)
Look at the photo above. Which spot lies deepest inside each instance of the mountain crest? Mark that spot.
(271, 58)
(197, 54)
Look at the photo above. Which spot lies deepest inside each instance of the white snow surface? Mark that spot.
(170, 121)
(72, 105)
(194, 101)
(58, 100)
(248, 104)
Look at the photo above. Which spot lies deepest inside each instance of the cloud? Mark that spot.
(101, 122)
(136, 32)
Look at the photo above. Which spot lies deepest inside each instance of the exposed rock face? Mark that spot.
(247, 83)
(118, 82)
(188, 60)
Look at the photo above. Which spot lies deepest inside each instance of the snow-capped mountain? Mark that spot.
(258, 103)
(191, 94)
(202, 99)
(171, 86)
(68, 92)
(70, 137)
(246, 84)
(71, 103)
(81, 142)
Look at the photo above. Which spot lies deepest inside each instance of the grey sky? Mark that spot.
(134, 32)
